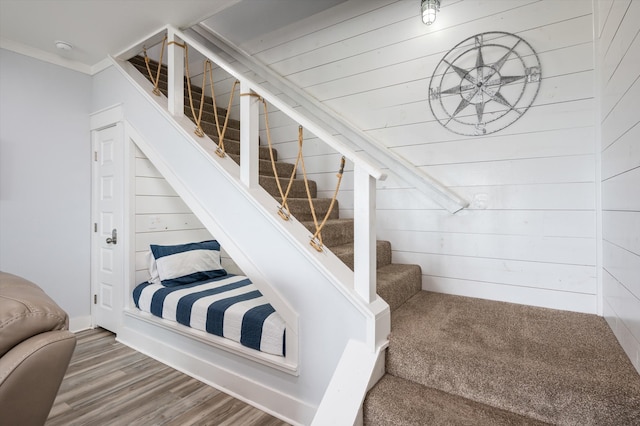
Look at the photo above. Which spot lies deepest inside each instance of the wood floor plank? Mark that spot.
(109, 383)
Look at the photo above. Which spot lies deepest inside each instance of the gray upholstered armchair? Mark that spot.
(35, 350)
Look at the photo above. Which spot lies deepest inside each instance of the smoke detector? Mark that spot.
(63, 45)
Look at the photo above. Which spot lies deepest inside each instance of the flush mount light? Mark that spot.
(63, 45)
(429, 9)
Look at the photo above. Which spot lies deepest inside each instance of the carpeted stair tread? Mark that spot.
(208, 117)
(301, 210)
(555, 366)
(211, 130)
(298, 189)
(398, 283)
(335, 231)
(396, 401)
(233, 147)
(265, 168)
(345, 253)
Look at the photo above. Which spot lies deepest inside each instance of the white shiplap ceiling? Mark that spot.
(97, 28)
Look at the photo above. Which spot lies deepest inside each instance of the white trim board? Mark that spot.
(198, 360)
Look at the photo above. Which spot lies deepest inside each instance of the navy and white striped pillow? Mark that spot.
(187, 263)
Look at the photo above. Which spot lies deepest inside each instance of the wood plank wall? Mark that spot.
(161, 217)
(530, 233)
(618, 59)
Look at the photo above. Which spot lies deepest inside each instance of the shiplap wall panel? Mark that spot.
(551, 143)
(558, 116)
(554, 299)
(622, 228)
(544, 223)
(161, 217)
(619, 120)
(568, 196)
(402, 70)
(623, 155)
(399, 74)
(624, 78)
(575, 251)
(516, 172)
(529, 234)
(624, 265)
(622, 192)
(618, 48)
(625, 307)
(515, 273)
(561, 89)
(366, 46)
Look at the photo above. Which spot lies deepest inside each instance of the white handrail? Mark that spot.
(403, 168)
(335, 143)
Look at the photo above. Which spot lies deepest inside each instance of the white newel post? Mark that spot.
(364, 260)
(249, 128)
(175, 73)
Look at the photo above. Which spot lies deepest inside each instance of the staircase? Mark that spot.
(460, 361)
(396, 283)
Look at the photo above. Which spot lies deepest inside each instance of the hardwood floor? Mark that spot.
(108, 383)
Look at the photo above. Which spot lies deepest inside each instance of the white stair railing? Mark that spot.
(365, 173)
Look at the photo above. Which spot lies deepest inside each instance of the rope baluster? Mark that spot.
(156, 80)
(283, 205)
(283, 210)
(198, 120)
(316, 239)
(220, 150)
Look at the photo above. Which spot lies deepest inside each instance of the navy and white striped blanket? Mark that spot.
(230, 306)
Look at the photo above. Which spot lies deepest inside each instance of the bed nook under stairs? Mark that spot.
(188, 285)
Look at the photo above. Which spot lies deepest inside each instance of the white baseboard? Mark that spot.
(157, 344)
(80, 323)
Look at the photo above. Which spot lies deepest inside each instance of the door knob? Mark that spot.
(114, 237)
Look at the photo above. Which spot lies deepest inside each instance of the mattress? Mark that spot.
(229, 306)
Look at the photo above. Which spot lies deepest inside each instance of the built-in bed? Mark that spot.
(189, 286)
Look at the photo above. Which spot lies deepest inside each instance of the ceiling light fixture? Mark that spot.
(429, 9)
(63, 45)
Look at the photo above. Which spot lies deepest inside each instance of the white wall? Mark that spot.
(45, 179)
(529, 235)
(618, 59)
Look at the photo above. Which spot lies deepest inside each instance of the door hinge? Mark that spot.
(95, 299)
(95, 155)
(95, 227)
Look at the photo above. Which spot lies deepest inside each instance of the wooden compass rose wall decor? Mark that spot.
(484, 84)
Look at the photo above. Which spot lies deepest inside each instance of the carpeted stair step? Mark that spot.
(559, 367)
(298, 189)
(211, 130)
(208, 117)
(301, 210)
(233, 147)
(396, 401)
(265, 168)
(398, 283)
(335, 232)
(345, 253)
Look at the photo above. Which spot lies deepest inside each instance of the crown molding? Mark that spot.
(45, 56)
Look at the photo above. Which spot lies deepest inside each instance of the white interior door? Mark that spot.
(108, 216)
